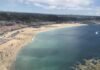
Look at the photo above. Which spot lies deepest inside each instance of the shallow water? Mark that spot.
(60, 49)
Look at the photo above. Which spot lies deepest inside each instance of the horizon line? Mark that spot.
(47, 13)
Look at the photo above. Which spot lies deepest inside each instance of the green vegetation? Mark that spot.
(34, 17)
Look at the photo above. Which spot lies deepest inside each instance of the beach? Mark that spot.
(17, 39)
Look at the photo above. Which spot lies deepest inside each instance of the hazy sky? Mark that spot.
(83, 7)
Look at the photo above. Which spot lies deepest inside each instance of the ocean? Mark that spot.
(60, 49)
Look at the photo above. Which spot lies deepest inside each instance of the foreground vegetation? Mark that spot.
(92, 64)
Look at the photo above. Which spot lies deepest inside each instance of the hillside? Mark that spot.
(36, 17)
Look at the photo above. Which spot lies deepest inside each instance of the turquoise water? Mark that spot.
(60, 49)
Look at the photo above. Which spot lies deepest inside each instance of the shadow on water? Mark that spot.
(60, 49)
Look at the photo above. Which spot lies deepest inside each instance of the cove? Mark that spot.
(60, 49)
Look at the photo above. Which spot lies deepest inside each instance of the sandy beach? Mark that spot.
(17, 39)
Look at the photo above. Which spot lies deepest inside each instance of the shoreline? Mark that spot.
(10, 49)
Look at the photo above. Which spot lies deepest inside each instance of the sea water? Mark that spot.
(60, 49)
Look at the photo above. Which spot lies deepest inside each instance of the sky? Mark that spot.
(65, 7)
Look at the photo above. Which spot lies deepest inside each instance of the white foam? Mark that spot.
(96, 32)
(32, 39)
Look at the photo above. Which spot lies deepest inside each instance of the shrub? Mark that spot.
(92, 64)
